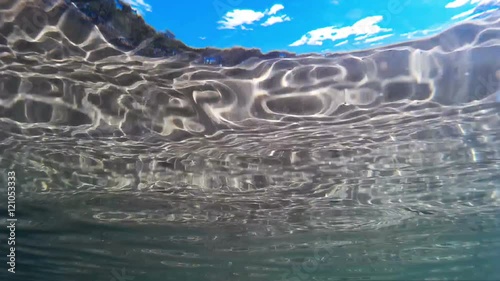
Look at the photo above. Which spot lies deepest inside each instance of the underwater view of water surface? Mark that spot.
(127, 155)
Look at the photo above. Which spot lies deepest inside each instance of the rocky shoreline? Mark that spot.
(127, 30)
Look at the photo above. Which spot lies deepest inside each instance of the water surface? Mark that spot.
(373, 165)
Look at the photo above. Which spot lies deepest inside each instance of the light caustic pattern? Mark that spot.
(361, 140)
(412, 125)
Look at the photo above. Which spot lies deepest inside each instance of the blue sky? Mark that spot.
(302, 26)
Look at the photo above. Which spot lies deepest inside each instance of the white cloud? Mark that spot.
(276, 19)
(139, 5)
(236, 18)
(423, 32)
(460, 3)
(377, 38)
(485, 2)
(456, 4)
(240, 18)
(202, 38)
(363, 28)
(484, 11)
(359, 38)
(464, 14)
(341, 43)
(274, 9)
